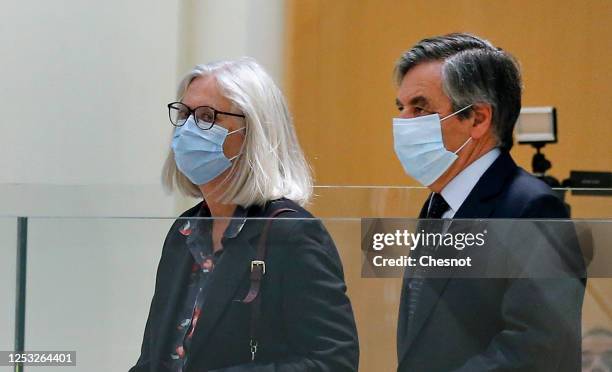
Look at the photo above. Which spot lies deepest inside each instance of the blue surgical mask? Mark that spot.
(199, 153)
(419, 146)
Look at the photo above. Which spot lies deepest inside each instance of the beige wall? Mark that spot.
(340, 55)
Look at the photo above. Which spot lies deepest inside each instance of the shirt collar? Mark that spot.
(458, 189)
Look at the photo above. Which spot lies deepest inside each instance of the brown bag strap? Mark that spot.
(258, 270)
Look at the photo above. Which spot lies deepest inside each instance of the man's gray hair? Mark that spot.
(473, 71)
(272, 164)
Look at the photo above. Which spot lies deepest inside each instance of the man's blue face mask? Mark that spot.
(419, 146)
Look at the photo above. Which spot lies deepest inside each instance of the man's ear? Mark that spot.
(482, 114)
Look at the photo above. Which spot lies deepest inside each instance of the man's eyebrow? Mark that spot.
(415, 101)
(419, 101)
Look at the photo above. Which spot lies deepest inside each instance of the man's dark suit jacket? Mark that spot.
(306, 324)
(495, 324)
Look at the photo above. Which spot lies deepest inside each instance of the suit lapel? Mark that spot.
(480, 203)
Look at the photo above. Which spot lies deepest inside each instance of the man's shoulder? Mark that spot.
(527, 186)
(527, 196)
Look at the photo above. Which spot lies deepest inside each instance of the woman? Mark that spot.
(221, 301)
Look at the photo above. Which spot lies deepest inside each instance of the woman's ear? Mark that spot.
(482, 114)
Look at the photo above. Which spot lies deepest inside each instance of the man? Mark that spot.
(459, 98)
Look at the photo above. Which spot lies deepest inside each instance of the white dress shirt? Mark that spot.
(458, 189)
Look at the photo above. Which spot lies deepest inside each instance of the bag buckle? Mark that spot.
(258, 263)
(253, 345)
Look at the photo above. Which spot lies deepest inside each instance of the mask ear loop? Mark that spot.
(241, 147)
(462, 146)
(456, 112)
(453, 114)
(234, 131)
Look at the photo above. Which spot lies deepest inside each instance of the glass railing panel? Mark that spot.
(95, 276)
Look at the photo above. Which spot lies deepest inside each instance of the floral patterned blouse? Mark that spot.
(199, 243)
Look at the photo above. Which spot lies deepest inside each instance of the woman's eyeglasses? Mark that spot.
(205, 116)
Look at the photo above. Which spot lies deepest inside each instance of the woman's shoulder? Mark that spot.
(297, 224)
(294, 209)
(303, 240)
(293, 222)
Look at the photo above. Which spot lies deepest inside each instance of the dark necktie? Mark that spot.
(437, 207)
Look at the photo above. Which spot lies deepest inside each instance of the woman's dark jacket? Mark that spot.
(306, 321)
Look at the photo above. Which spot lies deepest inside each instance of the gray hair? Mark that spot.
(473, 71)
(272, 164)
